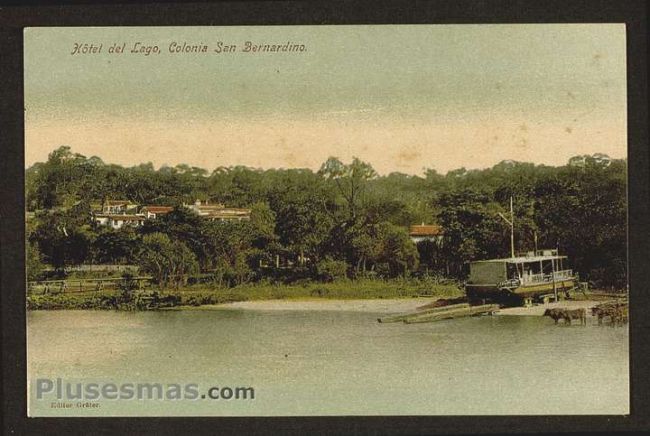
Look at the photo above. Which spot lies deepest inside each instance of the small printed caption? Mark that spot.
(183, 47)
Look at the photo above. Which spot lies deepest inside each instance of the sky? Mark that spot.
(401, 97)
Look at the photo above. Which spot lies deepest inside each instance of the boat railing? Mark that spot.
(544, 278)
(564, 274)
(510, 283)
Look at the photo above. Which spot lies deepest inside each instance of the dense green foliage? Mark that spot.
(343, 220)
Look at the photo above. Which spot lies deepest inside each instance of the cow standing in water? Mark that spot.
(554, 314)
(567, 315)
(617, 313)
(579, 314)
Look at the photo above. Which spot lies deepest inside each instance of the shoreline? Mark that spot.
(300, 301)
(201, 295)
(370, 305)
(383, 306)
(539, 309)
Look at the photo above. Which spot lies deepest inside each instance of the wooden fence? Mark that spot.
(84, 285)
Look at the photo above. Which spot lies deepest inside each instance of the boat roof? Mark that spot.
(521, 259)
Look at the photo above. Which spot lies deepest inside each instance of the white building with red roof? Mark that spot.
(153, 212)
(426, 232)
(117, 221)
(219, 212)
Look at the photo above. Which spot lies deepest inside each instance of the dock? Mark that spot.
(403, 316)
(484, 309)
(440, 313)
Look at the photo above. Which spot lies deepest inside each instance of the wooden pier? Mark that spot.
(440, 313)
(483, 309)
(402, 317)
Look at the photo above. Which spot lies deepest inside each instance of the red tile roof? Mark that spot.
(209, 207)
(126, 217)
(425, 230)
(117, 202)
(158, 209)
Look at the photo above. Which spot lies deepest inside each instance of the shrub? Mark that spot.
(329, 270)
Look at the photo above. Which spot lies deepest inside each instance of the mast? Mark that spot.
(553, 275)
(511, 221)
(512, 229)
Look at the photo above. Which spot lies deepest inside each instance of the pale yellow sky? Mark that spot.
(389, 145)
(403, 98)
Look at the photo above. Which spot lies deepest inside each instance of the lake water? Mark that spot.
(332, 363)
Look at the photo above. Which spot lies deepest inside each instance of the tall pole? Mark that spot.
(510, 221)
(553, 275)
(512, 229)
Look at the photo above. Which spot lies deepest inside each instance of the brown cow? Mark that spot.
(601, 312)
(617, 313)
(555, 314)
(567, 315)
(579, 314)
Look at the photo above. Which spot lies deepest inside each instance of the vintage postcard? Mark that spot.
(326, 220)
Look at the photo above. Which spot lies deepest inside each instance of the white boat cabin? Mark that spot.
(542, 266)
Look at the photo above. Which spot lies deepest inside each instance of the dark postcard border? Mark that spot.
(61, 13)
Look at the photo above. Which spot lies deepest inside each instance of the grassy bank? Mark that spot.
(204, 294)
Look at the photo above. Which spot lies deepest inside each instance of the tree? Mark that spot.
(183, 225)
(63, 180)
(228, 244)
(584, 213)
(169, 261)
(329, 270)
(262, 225)
(33, 262)
(350, 181)
(304, 210)
(472, 229)
(431, 255)
(238, 186)
(115, 246)
(62, 239)
(397, 250)
(343, 212)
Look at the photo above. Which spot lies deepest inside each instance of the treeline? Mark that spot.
(343, 220)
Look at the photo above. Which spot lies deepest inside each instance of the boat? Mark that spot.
(517, 279)
(536, 274)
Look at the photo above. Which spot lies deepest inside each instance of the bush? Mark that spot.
(127, 285)
(329, 270)
(170, 262)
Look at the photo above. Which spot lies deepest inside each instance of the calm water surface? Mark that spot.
(334, 363)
